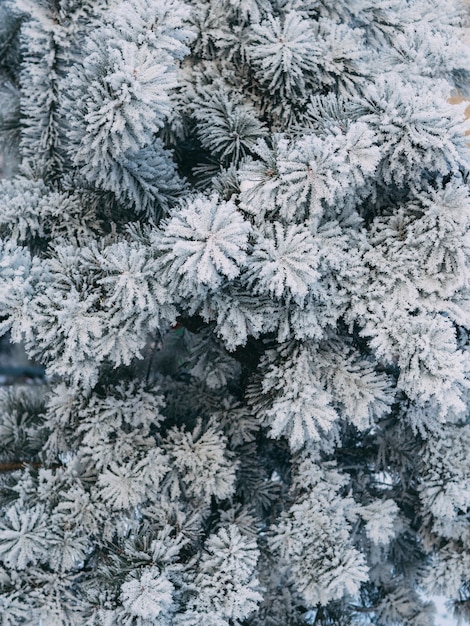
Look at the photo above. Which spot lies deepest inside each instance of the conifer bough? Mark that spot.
(236, 235)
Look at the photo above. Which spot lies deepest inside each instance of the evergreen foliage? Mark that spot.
(237, 236)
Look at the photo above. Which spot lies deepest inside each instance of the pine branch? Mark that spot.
(12, 466)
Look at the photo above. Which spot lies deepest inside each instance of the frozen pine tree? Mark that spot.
(236, 234)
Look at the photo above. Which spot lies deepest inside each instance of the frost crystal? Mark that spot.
(149, 596)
